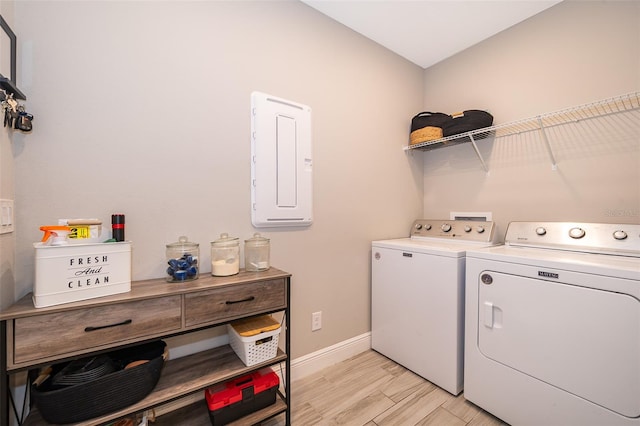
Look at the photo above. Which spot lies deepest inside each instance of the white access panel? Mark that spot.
(281, 163)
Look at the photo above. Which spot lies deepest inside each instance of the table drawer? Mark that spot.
(78, 330)
(232, 301)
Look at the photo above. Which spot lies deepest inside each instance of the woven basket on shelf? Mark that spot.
(425, 134)
(103, 395)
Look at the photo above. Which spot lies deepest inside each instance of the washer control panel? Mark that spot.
(463, 230)
(607, 238)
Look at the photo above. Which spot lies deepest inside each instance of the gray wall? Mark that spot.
(144, 108)
(574, 53)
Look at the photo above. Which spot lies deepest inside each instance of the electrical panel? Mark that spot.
(281, 162)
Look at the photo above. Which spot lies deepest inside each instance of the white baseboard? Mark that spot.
(311, 363)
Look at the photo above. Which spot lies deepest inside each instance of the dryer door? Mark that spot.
(585, 341)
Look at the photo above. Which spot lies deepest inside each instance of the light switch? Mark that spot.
(6, 216)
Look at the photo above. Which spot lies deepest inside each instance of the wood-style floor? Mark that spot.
(371, 390)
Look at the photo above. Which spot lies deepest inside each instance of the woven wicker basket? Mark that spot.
(103, 395)
(425, 134)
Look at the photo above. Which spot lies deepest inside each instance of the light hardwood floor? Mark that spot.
(371, 390)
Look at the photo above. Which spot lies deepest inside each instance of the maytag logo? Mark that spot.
(547, 274)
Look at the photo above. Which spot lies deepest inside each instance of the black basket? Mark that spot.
(103, 395)
(429, 119)
(468, 121)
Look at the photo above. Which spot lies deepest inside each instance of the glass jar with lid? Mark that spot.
(256, 253)
(225, 256)
(182, 258)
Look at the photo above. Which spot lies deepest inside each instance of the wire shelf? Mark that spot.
(605, 107)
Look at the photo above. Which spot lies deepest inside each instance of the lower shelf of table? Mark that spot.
(197, 414)
(181, 377)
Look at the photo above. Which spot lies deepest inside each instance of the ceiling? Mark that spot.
(428, 31)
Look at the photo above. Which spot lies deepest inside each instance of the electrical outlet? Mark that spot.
(316, 321)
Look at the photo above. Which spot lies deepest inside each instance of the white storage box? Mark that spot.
(254, 340)
(80, 271)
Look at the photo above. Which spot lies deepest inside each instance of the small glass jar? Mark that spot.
(225, 256)
(182, 260)
(256, 253)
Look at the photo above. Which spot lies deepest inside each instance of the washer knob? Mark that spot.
(427, 227)
(446, 227)
(620, 235)
(541, 231)
(418, 226)
(480, 229)
(467, 228)
(576, 233)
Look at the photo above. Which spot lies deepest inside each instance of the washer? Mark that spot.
(553, 325)
(417, 297)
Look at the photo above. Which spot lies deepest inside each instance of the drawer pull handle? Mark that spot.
(248, 299)
(100, 327)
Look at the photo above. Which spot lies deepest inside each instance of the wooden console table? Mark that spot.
(36, 337)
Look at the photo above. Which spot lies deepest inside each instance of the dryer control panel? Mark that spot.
(462, 230)
(605, 238)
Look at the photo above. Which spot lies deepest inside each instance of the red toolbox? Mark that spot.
(236, 398)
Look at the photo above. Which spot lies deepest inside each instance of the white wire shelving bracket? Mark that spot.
(540, 123)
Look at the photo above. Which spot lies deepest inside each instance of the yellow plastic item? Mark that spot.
(252, 326)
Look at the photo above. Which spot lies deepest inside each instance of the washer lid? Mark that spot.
(433, 247)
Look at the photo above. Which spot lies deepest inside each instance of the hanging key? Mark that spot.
(12, 103)
(7, 114)
(12, 111)
(5, 107)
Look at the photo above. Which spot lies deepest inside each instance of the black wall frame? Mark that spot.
(9, 84)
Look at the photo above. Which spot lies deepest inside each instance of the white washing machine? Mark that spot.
(417, 297)
(553, 325)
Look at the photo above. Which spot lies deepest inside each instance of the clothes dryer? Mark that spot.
(553, 325)
(417, 297)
